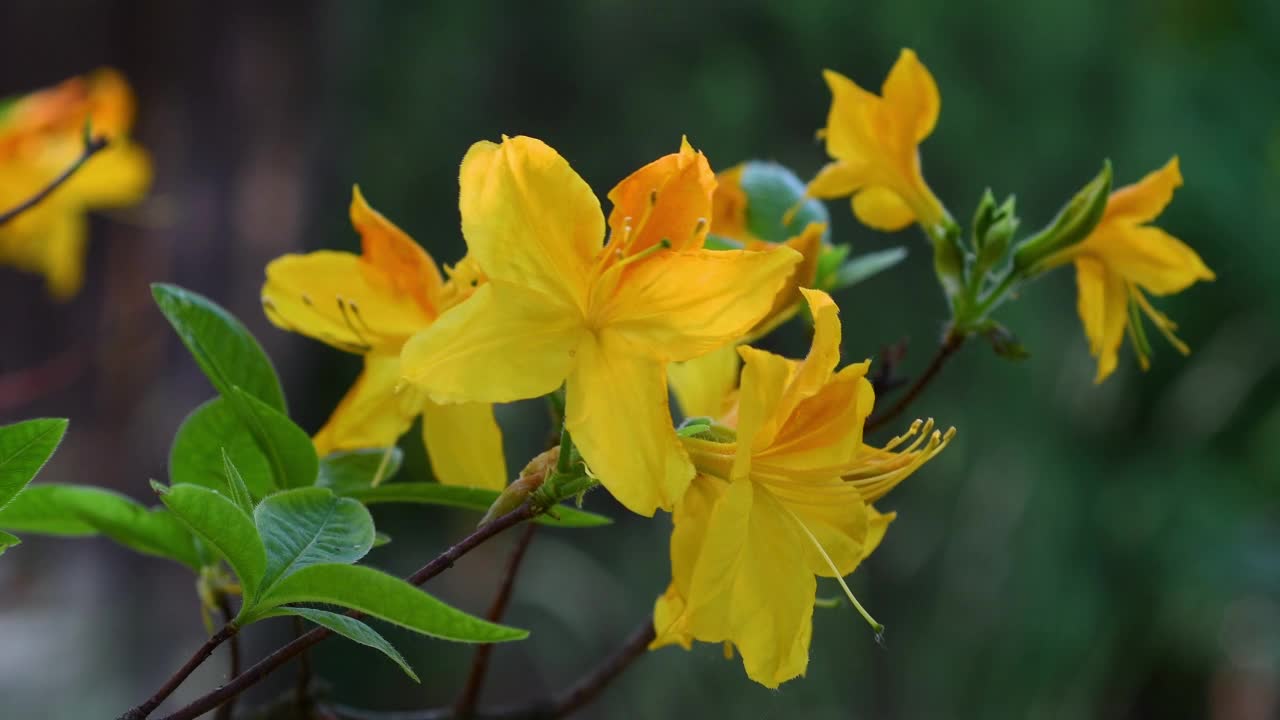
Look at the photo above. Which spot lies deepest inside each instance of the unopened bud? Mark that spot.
(1073, 224)
(530, 479)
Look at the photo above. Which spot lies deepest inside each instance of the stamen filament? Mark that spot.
(381, 473)
(877, 627)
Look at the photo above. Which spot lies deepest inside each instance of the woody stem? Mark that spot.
(951, 342)
(91, 147)
(480, 661)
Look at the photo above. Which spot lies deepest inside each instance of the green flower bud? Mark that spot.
(1073, 224)
(997, 230)
(983, 216)
(772, 192)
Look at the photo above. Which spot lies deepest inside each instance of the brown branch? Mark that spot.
(267, 665)
(578, 695)
(470, 694)
(151, 703)
(951, 342)
(564, 704)
(233, 646)
(92, 146)
(302, 690)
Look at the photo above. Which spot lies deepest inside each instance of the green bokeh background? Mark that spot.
(1079, 551)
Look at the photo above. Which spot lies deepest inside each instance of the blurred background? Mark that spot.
(1079, 551)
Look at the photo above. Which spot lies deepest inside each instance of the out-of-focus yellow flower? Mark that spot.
(1122, 259)
(788, 500)
(41, 135)
(700, 384)
(371, 304)
(874, 140)
(605, 321)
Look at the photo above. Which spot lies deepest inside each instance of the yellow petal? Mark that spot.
(64, 244)
(529, 219)
(702, 385)
(111, 102)
(877, 525)
(1148, 256)
(836, 515)
(838, 179)
(911, 95)
(680, 305)
(1103, 306)
(821, 438)
(823, 356)
(749, 584)
(729, 205)
(504, 343)
(340, 300)
(669, 621)
(370, 415)
(1144, 200)
(464, 444)
(883, 209)
(670, 198)
(764, 379)
(787, 302)
(616, 410)
(116, 177)
(404, 266)
(851, 118)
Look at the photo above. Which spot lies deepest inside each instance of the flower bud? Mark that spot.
(1073, 224)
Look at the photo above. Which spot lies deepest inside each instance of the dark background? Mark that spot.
(1079, 551)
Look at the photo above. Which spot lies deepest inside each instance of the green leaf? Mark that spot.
(288, 448)
(376, 593)
(7, 541)
(236, 487)
(24, 448)
(380, 539)
(309, 526)
(79, 510)
(469, 498)
(355, 469)
(225, 527)
(351, 629)
(222, 347)
(196, 454)
(862, 267)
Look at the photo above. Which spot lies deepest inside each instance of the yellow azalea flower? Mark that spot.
(786, 501)
(559, 307)
(41, 135)
(700, 384)
(873, 141)
(1124, 258)
(371, 304)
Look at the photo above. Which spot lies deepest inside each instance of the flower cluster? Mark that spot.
(41, 135)
(763, 463)
(769, 479)
(544, 299)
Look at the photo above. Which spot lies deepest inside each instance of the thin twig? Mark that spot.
(233, 646)
(564, 704)
(466, 702)
(92, 146)
(264, 667)
(302, 690)
(951, 342)
(151, 703)
(578, 695)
